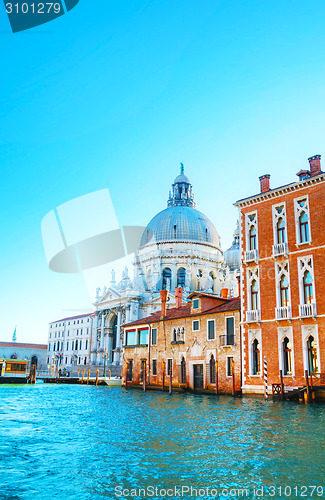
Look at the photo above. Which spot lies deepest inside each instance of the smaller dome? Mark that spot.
(232, 255)
(182, 178)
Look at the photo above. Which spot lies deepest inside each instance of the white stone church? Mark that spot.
(179, 247)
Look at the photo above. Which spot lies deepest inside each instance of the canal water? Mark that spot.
(86, 442)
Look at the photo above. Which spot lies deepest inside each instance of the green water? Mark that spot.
(83, 442)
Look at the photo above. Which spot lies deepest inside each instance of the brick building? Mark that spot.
(197, 344)
(282, 245)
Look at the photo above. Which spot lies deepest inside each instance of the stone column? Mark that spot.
(102, 332)
(118, 338)
(93, 339)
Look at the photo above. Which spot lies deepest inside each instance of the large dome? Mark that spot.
(232, 255)
(180, 223)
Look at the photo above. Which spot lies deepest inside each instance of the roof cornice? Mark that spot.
(272, 193)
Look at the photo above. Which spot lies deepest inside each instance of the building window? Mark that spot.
(50, 335)
(230, 330)
(284, 291)
(211, 329)
(196, 325)
(280, 230)
(86, 346)
(154, 336)
(67, 346)
(312, 355)
(183, 371)
(254, 295)
(212, 367)
(230, 361)
(287, 364)
(169, 367)
(66, 360)
(80, 344)
(154, 367)
(302, 220)
(174, 335)
(256, 357)
(129, 373)
(82, 321)
(181, 277)
(308, 287)
(49, 347)
(195, 303)
(167, 278)
(251, 231)
(76, 345)
(143, 336)
(130, 337)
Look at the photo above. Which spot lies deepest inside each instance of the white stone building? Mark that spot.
(69, 341)
(179, 247)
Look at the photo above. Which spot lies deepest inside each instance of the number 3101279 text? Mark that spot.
(33, 8)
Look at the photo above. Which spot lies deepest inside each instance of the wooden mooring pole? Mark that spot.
(144, 375)
(83, 374)
(217, 381)
(282, 384)
(97, 372)
(126, 375)
(233, 377)
(88, 376)
(171, 381)
(265, 380)
(307, 398)
(163, 376)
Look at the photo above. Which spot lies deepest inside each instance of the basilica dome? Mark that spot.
(232, 255)
(181, 221)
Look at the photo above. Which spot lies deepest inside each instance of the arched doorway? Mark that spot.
(34, 360)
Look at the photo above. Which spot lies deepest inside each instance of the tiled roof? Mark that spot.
(73, 317)
(185, 311)
(19, 345)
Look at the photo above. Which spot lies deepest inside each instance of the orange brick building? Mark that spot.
(198, 345)
(282, 244)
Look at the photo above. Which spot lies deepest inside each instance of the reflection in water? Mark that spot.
(80, 442)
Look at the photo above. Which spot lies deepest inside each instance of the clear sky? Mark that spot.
(116, 93)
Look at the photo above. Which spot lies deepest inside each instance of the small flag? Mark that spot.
(14, 337)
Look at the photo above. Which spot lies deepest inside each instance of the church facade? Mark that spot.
(180, 247)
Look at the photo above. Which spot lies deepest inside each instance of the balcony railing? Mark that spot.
(280, 249)
(227, 340)
(253, 316)
(251, 255)
(283, 312)
(307, 310)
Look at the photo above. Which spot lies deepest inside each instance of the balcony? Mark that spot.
(253, 316)
(227, 340)
(283, 312)
(251, 256)
(280, 249)
(307, 310)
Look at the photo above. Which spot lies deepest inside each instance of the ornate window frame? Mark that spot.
(275, 217)
(283, 332)
(282, 269)
(306, 331)
(253, 275)
(251, 222)
(305, 264)
(252, 335)
(298, 211)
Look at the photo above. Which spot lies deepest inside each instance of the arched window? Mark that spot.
(308, 287)
(280, 228)
(167, 276)
(174, 335)
(256, 357)
(252, 238)
(303, 227)
(254, 295)
(76, 346)
(287, 366)
(183, 371)
(312, 355)
(212, 370)
(284, 291)
(181, 276)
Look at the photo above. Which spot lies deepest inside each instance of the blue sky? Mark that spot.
(117, 93)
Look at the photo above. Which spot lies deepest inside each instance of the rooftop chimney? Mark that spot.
(163, 298)
(314, 162)
(265, 183)
(178, 296)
